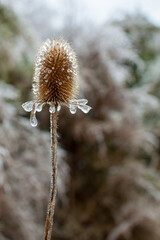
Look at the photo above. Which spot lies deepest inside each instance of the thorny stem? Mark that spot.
(53, 184)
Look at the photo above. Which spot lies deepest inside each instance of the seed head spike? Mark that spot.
(55, 77)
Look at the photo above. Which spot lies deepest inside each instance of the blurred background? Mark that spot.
(109, 159)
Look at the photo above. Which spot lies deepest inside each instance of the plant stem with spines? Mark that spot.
(53, 184)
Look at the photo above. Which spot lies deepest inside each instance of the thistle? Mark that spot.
(55, 82)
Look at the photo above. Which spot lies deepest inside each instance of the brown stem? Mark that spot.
(53, 184)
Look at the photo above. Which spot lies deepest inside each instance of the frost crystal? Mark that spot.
(28, 106)
(39, 107)
(52, 108)
(73, 108)
(33, 106)
(36, 106)
(84, 108)
(59, 107)
(79, 101)
(81, 104)
(33, 120)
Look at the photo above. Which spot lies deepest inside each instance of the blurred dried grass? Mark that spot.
(112, 189)
(24, 171)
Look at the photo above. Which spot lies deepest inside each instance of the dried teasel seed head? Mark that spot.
(55, 77)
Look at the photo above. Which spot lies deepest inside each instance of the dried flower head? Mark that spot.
(55, 83)
(55, 80)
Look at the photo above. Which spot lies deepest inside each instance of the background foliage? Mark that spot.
(108, 186)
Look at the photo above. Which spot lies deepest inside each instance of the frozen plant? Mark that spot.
(55, 83)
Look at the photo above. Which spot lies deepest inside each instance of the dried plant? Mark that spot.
(55, 83)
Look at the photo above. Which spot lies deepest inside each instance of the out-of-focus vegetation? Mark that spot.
(109, 159)
(16, 51)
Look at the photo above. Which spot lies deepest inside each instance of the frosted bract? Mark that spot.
(73, 108)
(33, 120)
(39, 107)
(36, 106)
(81, 104)
(28, 106)
(84, 108)
(52, 108)
(59, 107)
(79, 101)
(33, 107)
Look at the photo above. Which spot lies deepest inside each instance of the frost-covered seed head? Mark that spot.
(55, 77)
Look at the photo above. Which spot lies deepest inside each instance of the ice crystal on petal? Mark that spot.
(33, 120)
(84, 108)
(72, 108)
(39, 107)
(28, 106)
(52, 108)
(81, 104)
(36, 107)
(33, 106)
(59, 107)
(79, 101)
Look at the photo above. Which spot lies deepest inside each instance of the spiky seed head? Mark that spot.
(55, 77)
